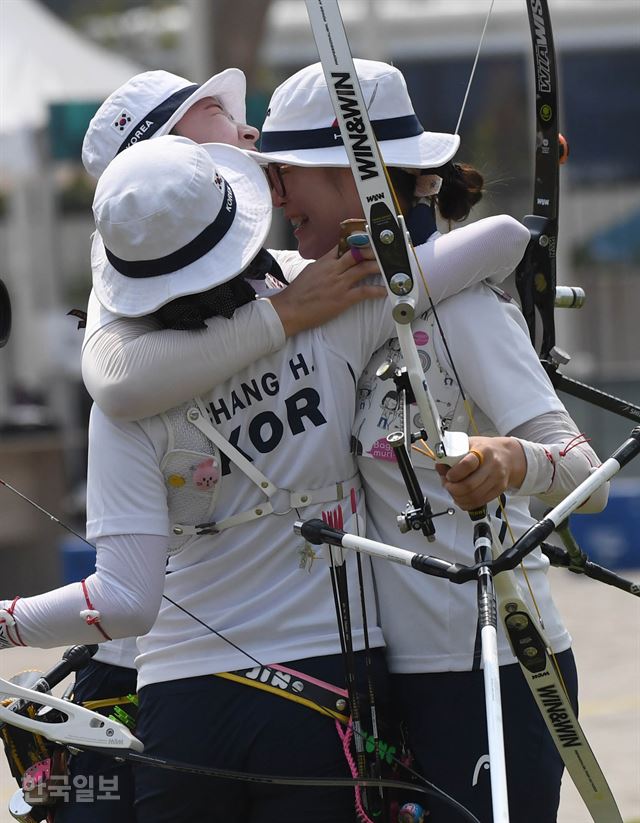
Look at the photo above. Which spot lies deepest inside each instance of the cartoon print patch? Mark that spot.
(206, 474)
(379, 410)
(390, 410)
(193, 481)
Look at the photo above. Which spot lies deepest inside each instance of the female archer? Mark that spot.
(211, 112)
(199, 503)
(478, 359)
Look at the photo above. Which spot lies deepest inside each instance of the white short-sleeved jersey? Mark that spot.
(121, 652)
(291, 414)
(430, 624)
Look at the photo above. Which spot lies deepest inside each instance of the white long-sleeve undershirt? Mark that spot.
(557, 460)
(126, 589)
(130, 570)
(132, 368)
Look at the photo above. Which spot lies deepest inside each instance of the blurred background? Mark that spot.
(61, 58)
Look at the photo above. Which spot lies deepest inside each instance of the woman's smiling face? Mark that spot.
(316, 201)
(207, 121)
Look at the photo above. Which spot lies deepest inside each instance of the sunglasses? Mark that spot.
(275, 178)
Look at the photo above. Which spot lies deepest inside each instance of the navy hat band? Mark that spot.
(392, 128)
(156, 118)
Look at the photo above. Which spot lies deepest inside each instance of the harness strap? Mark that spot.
(198, 416)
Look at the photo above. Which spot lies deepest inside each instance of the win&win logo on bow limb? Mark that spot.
(542, 49)
(559, 717)
(362, 150)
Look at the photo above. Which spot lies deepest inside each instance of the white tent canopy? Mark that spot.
(43, 60)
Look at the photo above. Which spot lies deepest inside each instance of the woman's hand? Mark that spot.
(492, 465)
(325, 289)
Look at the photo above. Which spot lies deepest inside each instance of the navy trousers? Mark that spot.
(445, 716)
(100, 790)
(215, 722)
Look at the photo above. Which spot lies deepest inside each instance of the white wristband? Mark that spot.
(7, 624)
(540, 468)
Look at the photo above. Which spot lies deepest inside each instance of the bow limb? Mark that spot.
(536, 272)
(81, 727)
(535, 275)
(385, 223)
(89, 731)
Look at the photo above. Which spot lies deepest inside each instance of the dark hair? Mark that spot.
(462, 188)
(404, 184)
(188, 313)
(393, 395)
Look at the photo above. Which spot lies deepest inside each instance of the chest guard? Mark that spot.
(379, 408)
(192, 471)
(192, 474)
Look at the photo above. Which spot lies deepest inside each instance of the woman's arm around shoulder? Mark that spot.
(134, 368)
(489, 248)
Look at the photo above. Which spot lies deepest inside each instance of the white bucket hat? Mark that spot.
(301, 127)
(175, 218)
(149, 105)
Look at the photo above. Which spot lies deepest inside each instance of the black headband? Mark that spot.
(156, 118)
(188, 254)
(392, 128)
